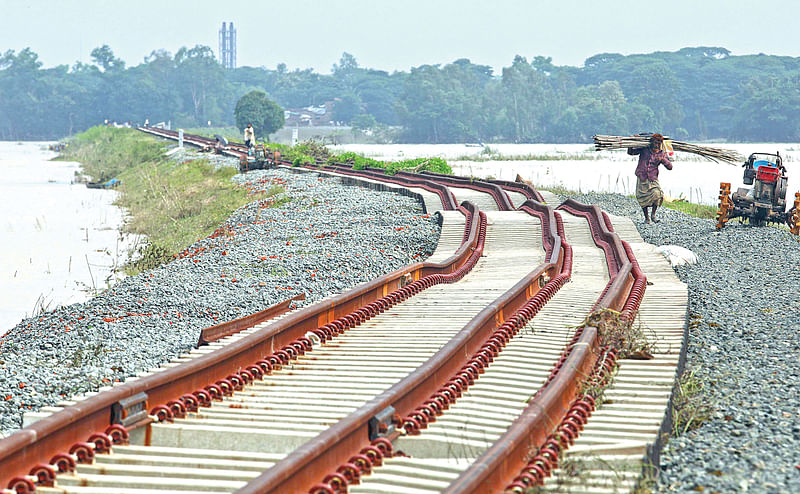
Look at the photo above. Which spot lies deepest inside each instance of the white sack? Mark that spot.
(676, 255)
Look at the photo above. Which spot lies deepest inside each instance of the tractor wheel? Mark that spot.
(794, 215)
(725, 205)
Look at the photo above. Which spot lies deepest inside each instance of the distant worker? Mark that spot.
(249, 136)
(648, 190)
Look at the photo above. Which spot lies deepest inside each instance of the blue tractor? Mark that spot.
(765, 202)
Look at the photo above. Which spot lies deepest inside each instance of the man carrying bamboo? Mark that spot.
(648, 191)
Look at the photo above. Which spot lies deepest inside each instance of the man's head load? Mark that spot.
(656, 140)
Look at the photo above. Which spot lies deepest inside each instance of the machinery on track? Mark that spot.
(258, 157)
(765, 202)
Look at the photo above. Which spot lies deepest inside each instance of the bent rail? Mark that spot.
(228, 328)
(521, 187)
(442, 374)
(494, 190)
(542, 426)
(61, 431)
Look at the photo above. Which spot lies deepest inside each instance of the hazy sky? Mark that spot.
(398, 34)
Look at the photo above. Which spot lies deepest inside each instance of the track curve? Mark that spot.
(467, 373)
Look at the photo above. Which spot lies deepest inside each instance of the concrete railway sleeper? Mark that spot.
(248, 395)
(455, 437)
(669, 333)
(18, 450)
(367, 395)
(189, 402)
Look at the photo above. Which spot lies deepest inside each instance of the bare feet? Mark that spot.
(647, 220)
(656, 221)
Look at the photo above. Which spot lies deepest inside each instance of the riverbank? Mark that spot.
(59, 241)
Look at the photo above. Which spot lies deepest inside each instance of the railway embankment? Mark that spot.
(316, 236)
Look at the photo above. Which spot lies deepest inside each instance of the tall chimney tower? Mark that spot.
(227, 46)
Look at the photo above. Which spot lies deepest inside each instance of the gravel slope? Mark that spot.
(330, 237)
(744, 297)
(744, 344)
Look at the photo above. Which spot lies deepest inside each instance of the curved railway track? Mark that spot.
(476, 371)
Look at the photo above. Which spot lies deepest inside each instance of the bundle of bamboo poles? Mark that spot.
(643, 140)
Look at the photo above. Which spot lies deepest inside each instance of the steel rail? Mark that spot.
(239, 151)
(521, 188)
(62, 431)
(626, 287)
(304, 465)
(542, 427)
(228, 328)
(494, 190)
(300, 470)
(447, 197)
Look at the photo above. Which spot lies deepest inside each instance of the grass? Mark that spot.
(690, 407)
(696, 210)
(106, 152)
(171, 204)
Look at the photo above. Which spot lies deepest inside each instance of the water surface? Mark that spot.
(59, 241)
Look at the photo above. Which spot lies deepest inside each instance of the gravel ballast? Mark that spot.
(744, 301)
(328, 238)
(744, 347)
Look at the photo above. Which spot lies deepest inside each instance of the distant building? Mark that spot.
(227, 46)
(312, 116)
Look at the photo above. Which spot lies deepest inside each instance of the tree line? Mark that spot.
(694, 93)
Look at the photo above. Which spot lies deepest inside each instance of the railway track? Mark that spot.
(476, 371)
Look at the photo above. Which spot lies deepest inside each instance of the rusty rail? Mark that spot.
(496, 468)
(497, 193)
(60, 432)
(544, 418)
(228, 328)
(521, 187)
(300, 470)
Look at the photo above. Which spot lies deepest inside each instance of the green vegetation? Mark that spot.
(359, 162)
(106, 153)
(696, 210)
(255, 108)
(690, 406)
(697, 93)
(313, 152)
(172, 204)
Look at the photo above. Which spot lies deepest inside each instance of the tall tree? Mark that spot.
(255, 108)
(201, 84)
(769, 110)
(104, 58)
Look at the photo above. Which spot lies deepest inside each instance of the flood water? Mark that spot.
(583, 169)
(59, 240)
